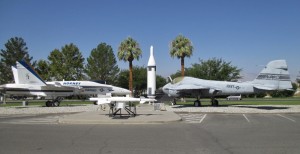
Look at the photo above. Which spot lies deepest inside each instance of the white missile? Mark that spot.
(151, 75)
(107, 100)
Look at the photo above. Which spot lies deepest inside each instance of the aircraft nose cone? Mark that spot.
(125, 90)
(165, 89)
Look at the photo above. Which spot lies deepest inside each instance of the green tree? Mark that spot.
(128, 51)
(140, 80)
(66, 64)
(214, 69)
(160, 81)
(181, 47)
(56, 62)
(123, 79)
(16, 50)
(102, 64)
(43, 69)
(139, 77)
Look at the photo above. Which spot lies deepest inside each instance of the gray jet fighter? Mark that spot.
(274, 76)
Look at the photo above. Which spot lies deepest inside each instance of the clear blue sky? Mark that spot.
(249, 33)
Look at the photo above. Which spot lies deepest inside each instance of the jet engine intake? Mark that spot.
(212, 91)
(173, 93)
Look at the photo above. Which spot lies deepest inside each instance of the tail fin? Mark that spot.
(274, 76)
(170, 78)
(25, 74)
(15, 73)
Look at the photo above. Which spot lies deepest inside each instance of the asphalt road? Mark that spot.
(197, 133)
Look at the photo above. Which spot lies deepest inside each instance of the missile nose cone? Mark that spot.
(151, 50)
(151, 61)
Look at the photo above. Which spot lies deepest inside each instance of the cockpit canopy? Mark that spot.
(176, 80)
(100, 81)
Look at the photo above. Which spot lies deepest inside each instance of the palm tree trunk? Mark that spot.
(130, 77)
(182, 66)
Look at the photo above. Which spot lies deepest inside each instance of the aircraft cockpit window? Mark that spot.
(100, 81)
(176, 80)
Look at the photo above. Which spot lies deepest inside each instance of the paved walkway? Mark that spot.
(92, 114)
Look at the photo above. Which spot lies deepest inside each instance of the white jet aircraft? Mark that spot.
(274, 76)
(29, 83)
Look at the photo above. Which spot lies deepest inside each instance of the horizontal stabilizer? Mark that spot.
(274, 76)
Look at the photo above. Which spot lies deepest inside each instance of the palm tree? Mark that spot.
(181, 47)
(128, 51)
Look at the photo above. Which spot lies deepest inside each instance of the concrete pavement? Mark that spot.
(92, 114)
(145, 115)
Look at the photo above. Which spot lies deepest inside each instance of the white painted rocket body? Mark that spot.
(151, 75)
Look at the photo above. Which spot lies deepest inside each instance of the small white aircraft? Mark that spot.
(29, 83)
(116, 104)
(274, 76)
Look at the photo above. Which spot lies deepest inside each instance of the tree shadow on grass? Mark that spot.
(263, 107)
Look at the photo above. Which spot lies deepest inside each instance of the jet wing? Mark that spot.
(189, 87)
(264, 87)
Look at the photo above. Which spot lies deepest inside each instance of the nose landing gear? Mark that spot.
(54, 103)
(214, 102)
(197, 103)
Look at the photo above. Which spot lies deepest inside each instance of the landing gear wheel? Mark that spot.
(48, 103)
(214, 102)
(197, 103)
(173, 102)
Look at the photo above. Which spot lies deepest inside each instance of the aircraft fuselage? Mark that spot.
(216, 88)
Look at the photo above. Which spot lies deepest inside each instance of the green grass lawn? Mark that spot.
(189, 102)
(43, 103)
